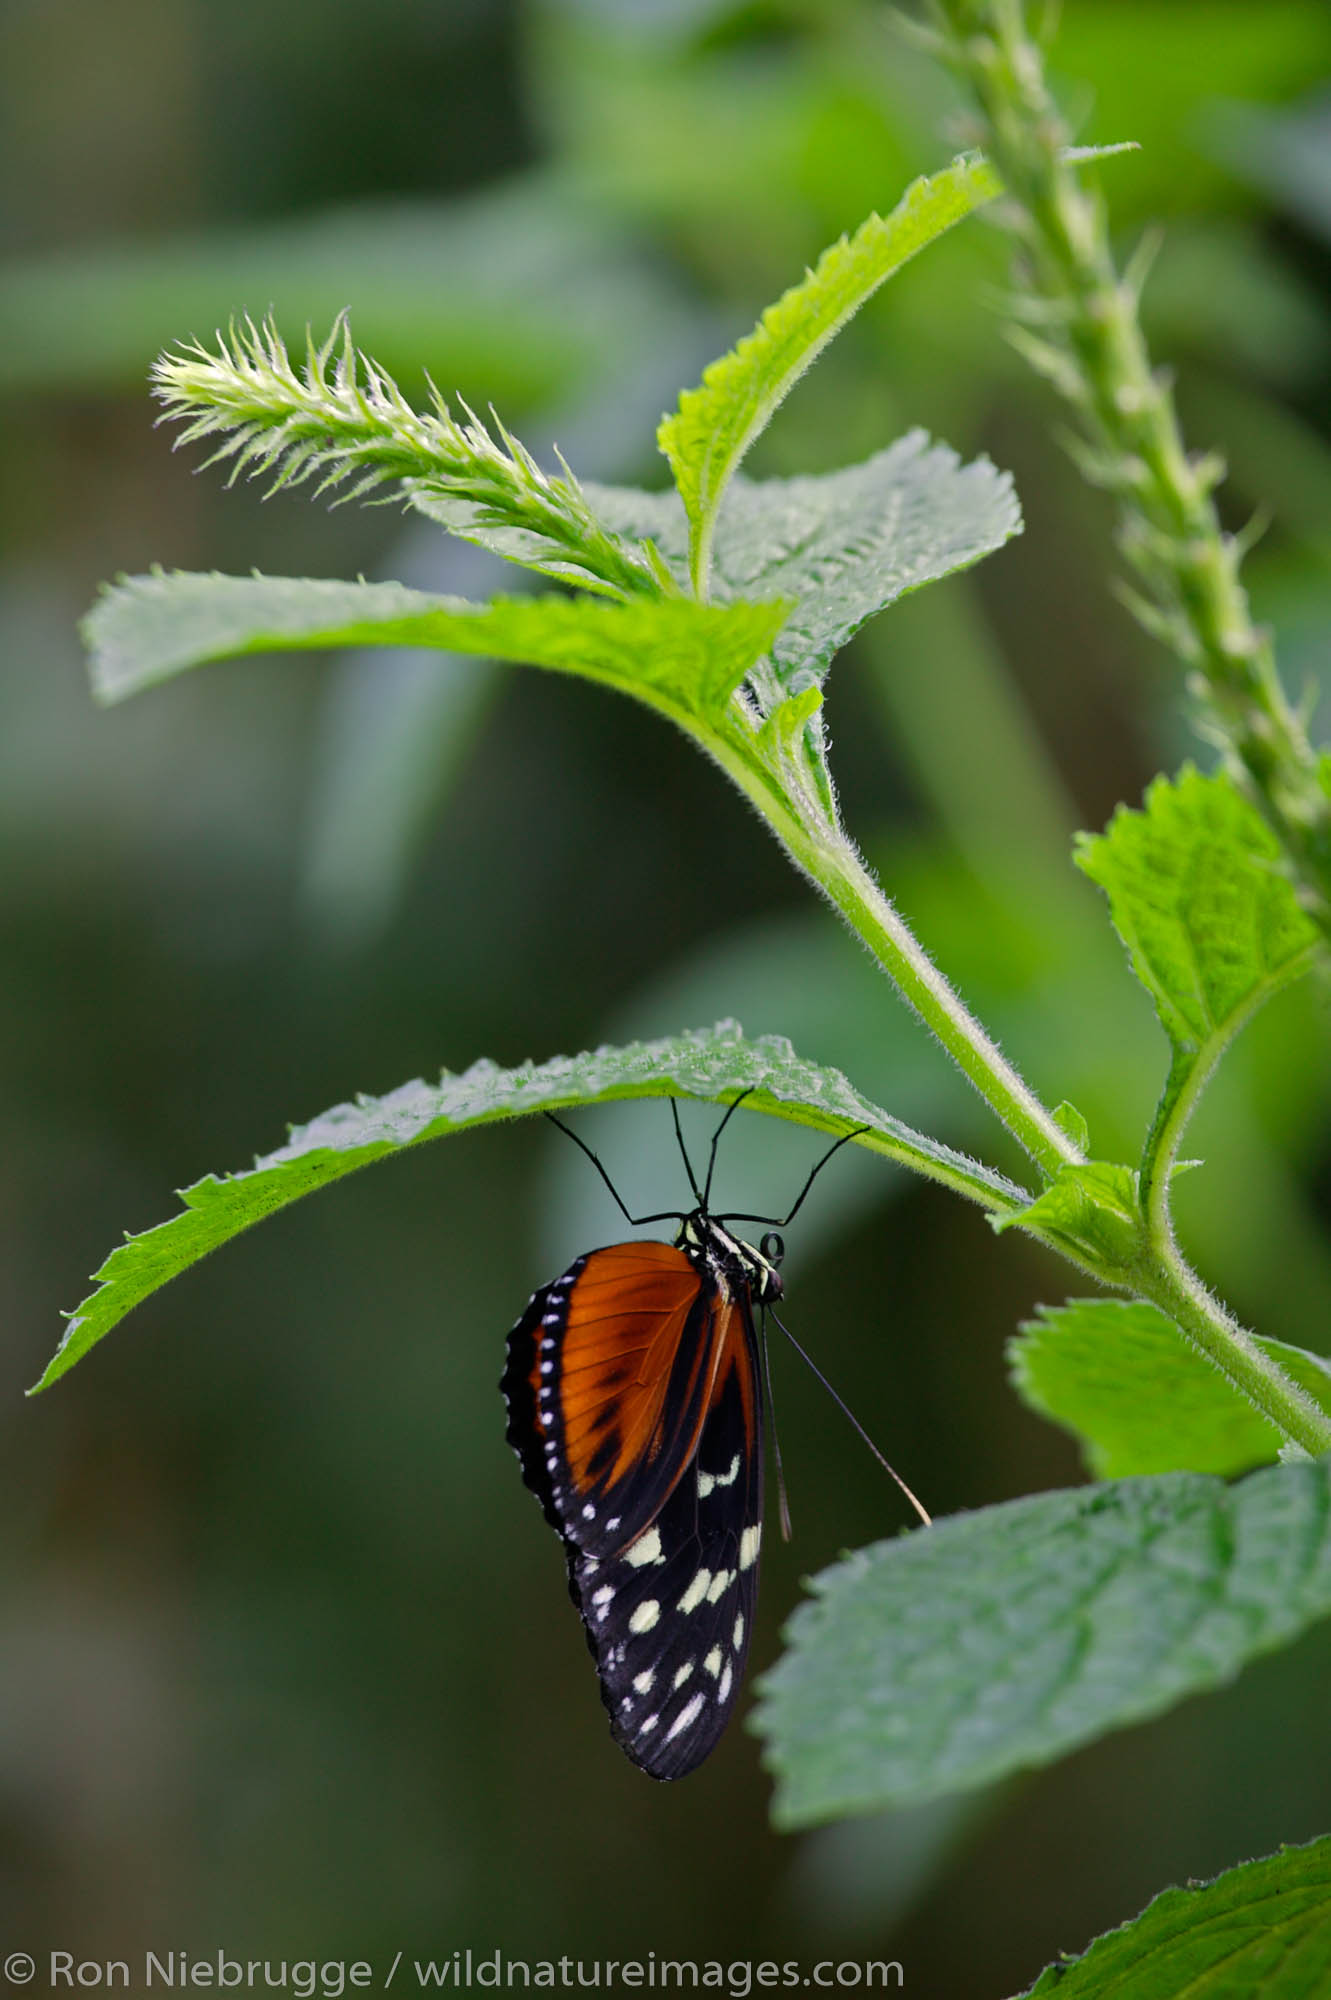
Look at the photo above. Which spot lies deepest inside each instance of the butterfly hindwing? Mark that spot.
(669, 1619)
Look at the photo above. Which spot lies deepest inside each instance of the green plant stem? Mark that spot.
(1090, 344)
(844, 878)
(1172, 1285)
(1088, 341)
(343, 419)
(829, 858)
(1189, 1073)
(805, 823)
(1159, 1273)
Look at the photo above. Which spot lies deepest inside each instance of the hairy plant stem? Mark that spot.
(1078, 324)
(343, 419)
(843, 877)
(1189, 1073)
(823, 852)
(1158, 1272)
(1170, 1283)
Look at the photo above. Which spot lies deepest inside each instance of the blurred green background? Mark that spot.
(287, 1664)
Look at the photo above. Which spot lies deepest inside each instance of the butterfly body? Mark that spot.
(635, 1407)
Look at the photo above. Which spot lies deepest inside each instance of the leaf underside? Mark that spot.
(843, 545)
(683, 655)
(824, 553)
(714, 1063)
(1003, 1639)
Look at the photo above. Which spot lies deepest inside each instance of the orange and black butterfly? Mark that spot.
(634, 1388)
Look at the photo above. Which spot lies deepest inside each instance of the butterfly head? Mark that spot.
(731, 1263)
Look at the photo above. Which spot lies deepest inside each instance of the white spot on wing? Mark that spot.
(713, 1662)
(723, 1691)
(696, 1591)
(687, 1715)
(645, 1615)
(644, 1682)
(720, 1584)
(749, 1544)
(647, 1549)
(707, 1480)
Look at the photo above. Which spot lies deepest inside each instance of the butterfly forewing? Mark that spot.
(617, 1367)
(635, 1408)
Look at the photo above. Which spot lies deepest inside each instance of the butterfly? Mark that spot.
(634, 1388)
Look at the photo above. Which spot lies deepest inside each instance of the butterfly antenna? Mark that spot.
(701, 1199)
(731, 1109)
(637, 1221)
(848, 1412)
(780, 1222)
(783, 1503)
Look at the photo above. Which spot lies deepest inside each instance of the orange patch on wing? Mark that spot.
(627, 1314)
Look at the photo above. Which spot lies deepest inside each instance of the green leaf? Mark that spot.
(683, 657)
(715, 424)
(783, 726)
(1000, 1640)
(1091, 1209)
(714, 1063)
(1124, 1380)
(1068, 1119)
(1261, 1931)
(843, 545)
(1197, 895)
